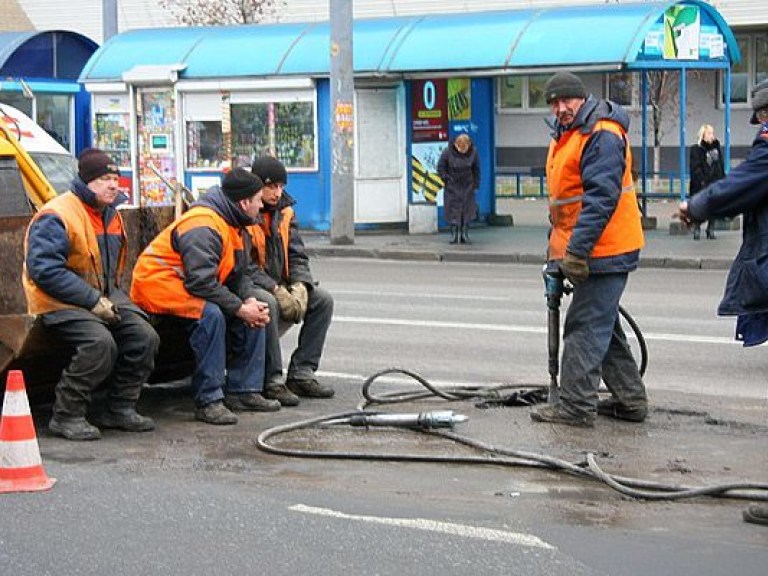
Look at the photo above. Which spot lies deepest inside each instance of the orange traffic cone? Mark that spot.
(21, 468)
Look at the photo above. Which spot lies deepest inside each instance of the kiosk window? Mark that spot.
(204, 144)
(112, 135)
(283, 129)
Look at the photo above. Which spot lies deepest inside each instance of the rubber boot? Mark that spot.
(711, 233)
(465, 234)
(454, 234)
(697, 232)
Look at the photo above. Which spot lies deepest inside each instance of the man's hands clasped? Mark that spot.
(254, 313)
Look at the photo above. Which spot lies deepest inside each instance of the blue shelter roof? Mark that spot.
(497, 42)
(52, 54)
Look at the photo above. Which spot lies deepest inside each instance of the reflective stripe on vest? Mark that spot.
(84, 257)
(158, 278)
(623, 233)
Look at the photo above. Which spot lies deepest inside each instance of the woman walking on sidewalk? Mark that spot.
(459, 168)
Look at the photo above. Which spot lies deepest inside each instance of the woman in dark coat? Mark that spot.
(706, 159)
(459, 169)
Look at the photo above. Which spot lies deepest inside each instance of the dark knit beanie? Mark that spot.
(759, 99)
(270, 170)
(239, 184)
(564, 85)
(93, 164)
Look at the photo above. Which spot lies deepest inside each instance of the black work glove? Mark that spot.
(574, 268)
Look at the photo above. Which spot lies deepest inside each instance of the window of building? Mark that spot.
(526, 93)
(53, 115)
(204, 144)
(286, 130)
(621, 88)
(752, 69)
(111, 127)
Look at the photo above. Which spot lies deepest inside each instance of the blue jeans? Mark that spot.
(595, 347)
(229, 356)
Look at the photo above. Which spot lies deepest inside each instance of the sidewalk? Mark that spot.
(525, 242)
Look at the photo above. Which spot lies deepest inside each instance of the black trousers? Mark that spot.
(120, 357)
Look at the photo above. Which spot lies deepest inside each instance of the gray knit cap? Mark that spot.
(759, 99)
(564, 85)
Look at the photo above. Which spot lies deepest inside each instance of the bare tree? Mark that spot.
(664, 101)
(217, 12)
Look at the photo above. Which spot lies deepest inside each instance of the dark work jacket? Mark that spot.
(47, 253)
(201, 249)
(743, 191)
(602, 168)
(298, 259)
(706, 165)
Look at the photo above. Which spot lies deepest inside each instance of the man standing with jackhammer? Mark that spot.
(595, 239)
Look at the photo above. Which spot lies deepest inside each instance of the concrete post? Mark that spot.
(342, 124)
(108, 19)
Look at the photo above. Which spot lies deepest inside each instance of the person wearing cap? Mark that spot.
(744, 190)
(282, 277)
(193, 274)
(74, 255)
(595, 241)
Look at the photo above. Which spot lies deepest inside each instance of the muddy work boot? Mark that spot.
(73, 428)
(309, 388)
(615, 409)
(556, 415)
(250, 402)
(215, 413)
(280, 393)
(757, 514)
(123, 419)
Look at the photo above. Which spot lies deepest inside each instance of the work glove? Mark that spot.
(106, 310)
(290, 311)
(300, 294)
(574, 268)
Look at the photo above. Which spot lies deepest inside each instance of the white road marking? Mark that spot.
(489, 534)
(431, 295)
(683, 338)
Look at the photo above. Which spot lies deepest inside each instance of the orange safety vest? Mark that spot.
(624, 231)
(81, 223)
(259, 233)
(158, 278)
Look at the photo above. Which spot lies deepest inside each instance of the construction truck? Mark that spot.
(34, 167)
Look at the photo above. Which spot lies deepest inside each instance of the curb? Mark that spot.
(500, 257)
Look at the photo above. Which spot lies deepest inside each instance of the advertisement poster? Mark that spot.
(682, 26)
(429, 110)
(459, 99)
(200, 184)
(426, 185)
(157, 165)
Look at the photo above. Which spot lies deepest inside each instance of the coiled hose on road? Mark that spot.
(495, 455)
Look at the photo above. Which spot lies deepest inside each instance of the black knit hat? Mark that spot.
(564, 85)
(239, 184)
(93, 164)
(759, 99)
(270, 170)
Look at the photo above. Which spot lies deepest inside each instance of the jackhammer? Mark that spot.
(555, 286)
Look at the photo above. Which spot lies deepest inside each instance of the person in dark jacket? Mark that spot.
(195, 273)
(459, 168)
(74, 254)
(282, 278)
(595, 240)
(706, 159)
(744, 191)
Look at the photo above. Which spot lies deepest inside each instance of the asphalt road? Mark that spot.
(193, 499)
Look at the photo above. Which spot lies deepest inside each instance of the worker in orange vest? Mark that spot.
(74, 255)
(595, 239)
(282, 278)
(194, 271)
